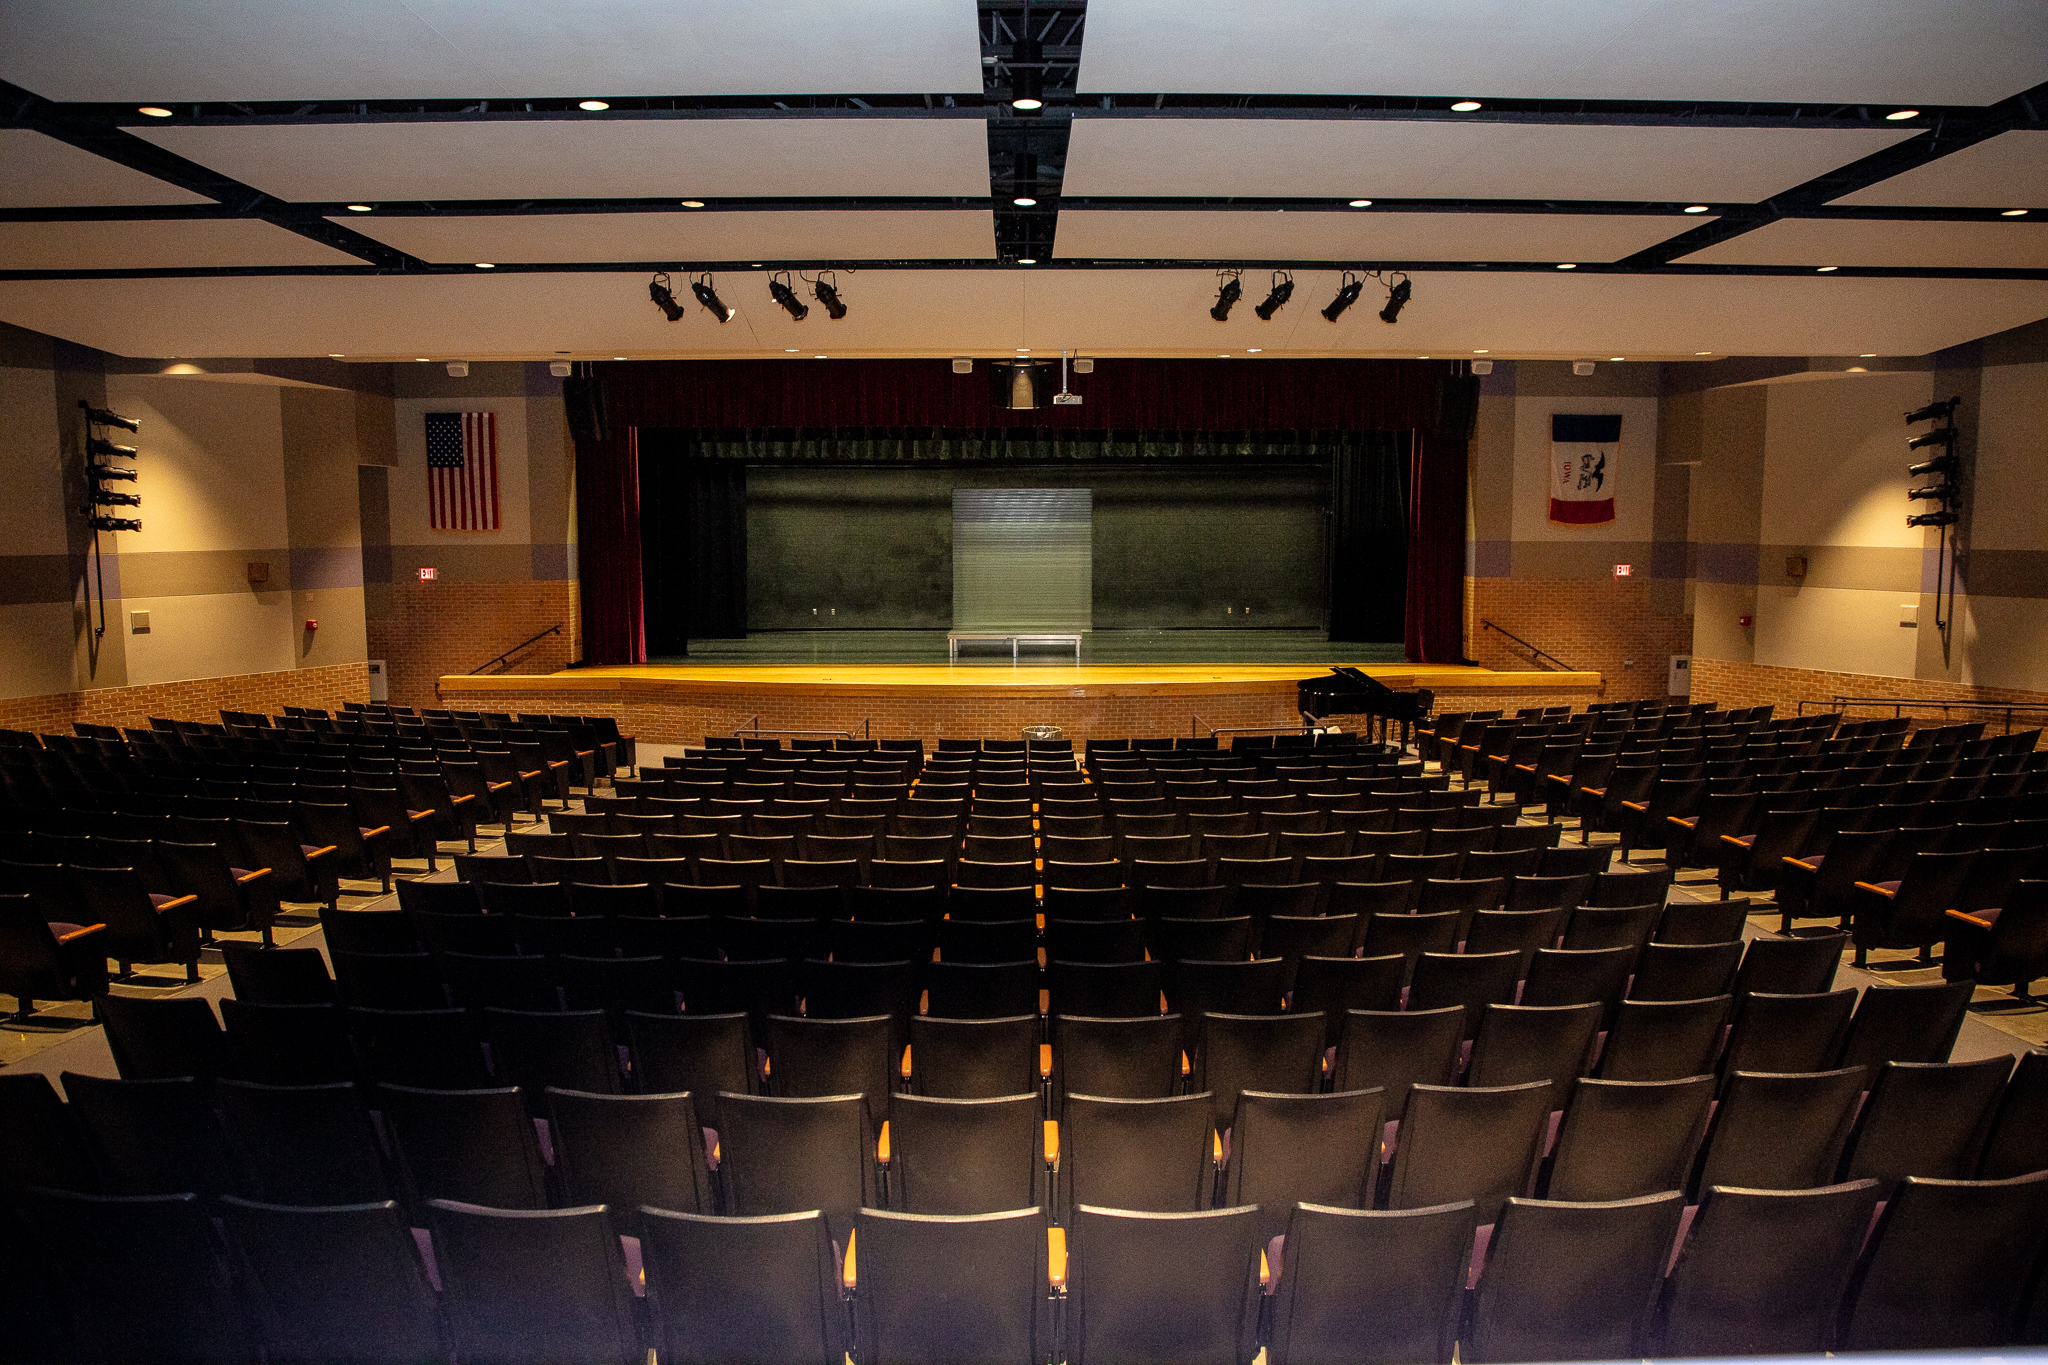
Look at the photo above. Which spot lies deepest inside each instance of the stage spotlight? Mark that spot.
(116, 524)
(1397, 299)
(1944, 437)
(100, 445)
(1283, 290)
(779, 290)
(828, 296)
(106, 418)
(1027, 75)
(104, 472)
(662, 290)
(1942, 491)
(708, 296)
(1938, 467)
(1227, 296)
(102, 498)
(1933, 412)
(1943, 518)
(1347, 294)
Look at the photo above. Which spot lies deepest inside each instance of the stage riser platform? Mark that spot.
(665, 706)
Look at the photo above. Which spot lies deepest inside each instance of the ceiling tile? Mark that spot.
(182, 50)
(1790, 51)
(595, 158)
(39, 172)
(1823, 241)
(823, 234)
(1329, 236)
(151, 244)
(2007, 171)
(1326, 158)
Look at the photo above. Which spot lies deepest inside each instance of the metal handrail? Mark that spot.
(1196, 725)
(1899, 706)
(555, 629)
(753, 727)
(1534, 653)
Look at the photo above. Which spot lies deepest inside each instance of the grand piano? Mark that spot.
(1348, 692)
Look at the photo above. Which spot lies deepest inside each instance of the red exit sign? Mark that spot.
(428, 575)
(1620, 570)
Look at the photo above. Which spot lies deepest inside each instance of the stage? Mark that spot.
(683, 703)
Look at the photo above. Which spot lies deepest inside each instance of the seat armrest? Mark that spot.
(321, 852)
(179, 903)
(1056, 1257)
(882, 1144)
(1804, 865)
(1875, 889)
(1636, 805)
(82, 931)
(256, 875)
(1739, 840)
(1684, 821)
(1052, 1142)
(1044, 1061)
(1968, 918)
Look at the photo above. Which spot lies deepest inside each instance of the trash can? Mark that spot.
(1032, 732)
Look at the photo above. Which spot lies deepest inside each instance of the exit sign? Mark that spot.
(1620, 570)
(428, 575)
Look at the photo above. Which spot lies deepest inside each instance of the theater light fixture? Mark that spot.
(662, 290)
(1027, 74)
(1694, 208)
(1946, 436)
(1897, 114)
(1933, 412)
(1024, 180)
(1283, 290)
(593, 106)
(1465, 106)
(1939, 467)
(1942, 518)
(1933, 490)
(101, 446)
(1397, 299)
(691, 203)
(106, 417)
(1827, 269)
(1227, 294)
(1347, 294)
(1367, 203)
(116, 524)
(827, 294)
(708, 296)
(361, 208)
(779, 290)
(1569, 265)
(2013, 213)
(154, 111)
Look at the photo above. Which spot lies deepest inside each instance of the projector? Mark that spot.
(1067, 399)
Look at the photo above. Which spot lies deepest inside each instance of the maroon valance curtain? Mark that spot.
(1129, 395)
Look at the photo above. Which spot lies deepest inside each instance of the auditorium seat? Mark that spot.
(628, 1150)
(1924, 1119)
(1397, 1050)
(1788, 1033)
(1138, 1058)
(303, 1145)
(1780, 1131)
(954, 1058)
(1518, 1043)
(1268, 1053)
(2018, 1140)
(1393, 1278)
(343, 1282)
(965, 1156)
(1126, 1305)
(1622, 1139)
(1571, 1281)
(153, 1039)
(978, 990)
(479, 1144)
(1466, 1143)
(1157, 1155)
(784, 1155)
(1685, 971)
(150, 1137)
(534, 1284)
(1947, 1267)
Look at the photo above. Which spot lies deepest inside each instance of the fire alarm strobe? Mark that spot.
(312, 625)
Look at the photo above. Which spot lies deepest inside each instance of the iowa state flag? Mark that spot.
(1582, 459)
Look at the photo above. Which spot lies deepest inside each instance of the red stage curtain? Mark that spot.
(608, 529)
(1436, 550)
(1122, 395)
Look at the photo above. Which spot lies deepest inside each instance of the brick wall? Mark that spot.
(1740, 684)
(201, 699)
(1594, 624)
(425, 630)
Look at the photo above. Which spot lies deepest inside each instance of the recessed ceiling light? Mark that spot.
(1027, 260)
(336, 355)
(1024, 201)
(1422, 357)
(154, 111)
(1828, 269)
(1897, 114)
(420, 359)
(693, 203)
(618, 357)
(359, 208)
(1695, 208)
(1361, 203)
(1568, 265)
(1868, 355)
(1026, 102)
(594, 106)
(789, 350)
(1617, 357)
(2013, 213)
(1702, 352)
(486, 265)
(1023, 350)
(1253, 350)
(1464, 106)
(1480, 353)
(820, 357)
(1224, 356)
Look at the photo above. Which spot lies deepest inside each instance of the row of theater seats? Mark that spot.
(1305, 1167)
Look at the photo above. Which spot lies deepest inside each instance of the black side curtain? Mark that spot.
(1368, 573)
(693, 537)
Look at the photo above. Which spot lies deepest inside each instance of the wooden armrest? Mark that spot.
(1215, 1147)
(1739, 840)
(847, 1275)
(1594, 791)
(1683, 821)
(535, 773)
(373, 833)
(179, 904)
(1873, 886)
(1185, 1069)
(882, 1144)
(1052, 1142)
(418, 815)
(1056, 1257)
(256, 875)
(1525, 767)
(905, 1067)
(95, 928)
(1968, 918)
(497, 786)
(1044, 1060)
(1265, 1270)
(458, 800)
(321, 852)
(1802, 863)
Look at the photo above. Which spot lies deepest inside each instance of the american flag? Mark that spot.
(462, 471)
